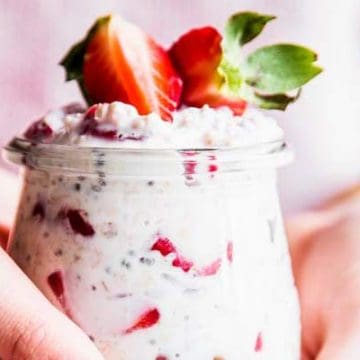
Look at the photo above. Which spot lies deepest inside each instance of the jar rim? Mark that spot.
(76, 158)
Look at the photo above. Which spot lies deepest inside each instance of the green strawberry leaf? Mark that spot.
(264, 77)
(74, 59)
(276, 101)
(280, 68)
(243, 27)
(239, 30)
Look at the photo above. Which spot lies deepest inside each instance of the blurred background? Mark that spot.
(323, 126)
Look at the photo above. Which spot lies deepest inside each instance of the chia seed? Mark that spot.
(58, 252)
(96, 188)
(147, 261)
(126, 263)
(101, 182)
(77, 187)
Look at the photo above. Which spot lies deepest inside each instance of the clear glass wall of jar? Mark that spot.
(161, 254)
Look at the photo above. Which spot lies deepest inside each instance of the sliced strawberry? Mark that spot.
(119, 61)
(166, 247)
(4, 236)
(213, 168)
(197, 56)
(56, 283)
(38, 131)
(230, 251)
(91, 126)
(190, 167)
(148, 319)
(77, 220)
(210, 269)
(259, 343)
(182, 263)
(38, 211)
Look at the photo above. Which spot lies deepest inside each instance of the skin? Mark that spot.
(325, 249)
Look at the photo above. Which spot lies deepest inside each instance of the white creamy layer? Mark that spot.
(245, 310)
(191, 128)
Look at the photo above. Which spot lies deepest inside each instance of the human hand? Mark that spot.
(30, 327)
(325, 250)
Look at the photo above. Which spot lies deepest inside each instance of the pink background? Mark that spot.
(324, 126)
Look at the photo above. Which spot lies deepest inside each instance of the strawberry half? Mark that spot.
(197, 56)
(118, 61)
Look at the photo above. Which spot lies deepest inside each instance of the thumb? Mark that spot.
(342, 343)
(349, 350)
(30, 327)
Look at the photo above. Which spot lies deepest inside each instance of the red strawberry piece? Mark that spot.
(55, 281)
(91, 112)
(166, 247)
(38, 211)
(182, 263)
(93, 127)
(38, 131)
(259, 343)
(229, 251)
(121, 62)
(146, 320)
(4, 236)
(78, 222)
(161, 357)
(197, 56)
(190, 166)
(213, 168)
(210, 269)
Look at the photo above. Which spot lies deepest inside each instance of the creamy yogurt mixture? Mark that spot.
(119, 125)
(161, 266)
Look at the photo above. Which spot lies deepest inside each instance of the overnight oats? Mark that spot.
(151, 218)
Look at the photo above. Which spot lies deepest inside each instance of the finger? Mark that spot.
(348, 349)
(30, 327)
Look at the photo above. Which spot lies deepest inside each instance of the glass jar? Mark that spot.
(161, 254)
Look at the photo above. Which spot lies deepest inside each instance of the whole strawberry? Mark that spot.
(216, 72)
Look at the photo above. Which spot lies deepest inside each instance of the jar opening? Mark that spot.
(124, 161)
